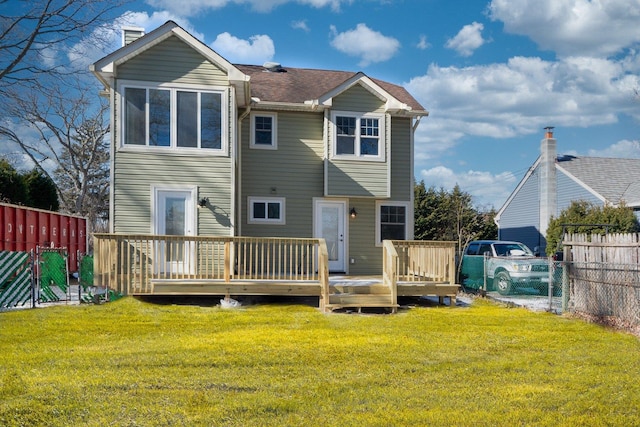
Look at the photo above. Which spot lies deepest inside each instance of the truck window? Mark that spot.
(472, 249)
(485, 248)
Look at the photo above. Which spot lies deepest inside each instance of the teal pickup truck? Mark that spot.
(508, 266)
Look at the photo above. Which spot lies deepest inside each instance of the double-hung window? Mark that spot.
(359, 136)
(264, 131)
(392, 221)
(173, 118)
(266, 210)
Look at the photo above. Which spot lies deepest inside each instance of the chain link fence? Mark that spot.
(605, 290)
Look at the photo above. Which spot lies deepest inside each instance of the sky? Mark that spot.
(492, 73)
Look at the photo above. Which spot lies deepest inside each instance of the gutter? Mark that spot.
(243, 116)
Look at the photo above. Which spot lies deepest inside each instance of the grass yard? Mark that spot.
(130, 363)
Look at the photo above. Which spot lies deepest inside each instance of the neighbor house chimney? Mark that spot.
(548, 196)
(130, 34)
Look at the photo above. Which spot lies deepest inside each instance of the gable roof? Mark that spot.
(104, 68)
(308, 88)
(614, 179)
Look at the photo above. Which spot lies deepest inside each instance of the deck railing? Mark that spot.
(419, 261)
(129, 263)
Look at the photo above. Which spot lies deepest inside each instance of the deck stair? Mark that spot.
(359, 293)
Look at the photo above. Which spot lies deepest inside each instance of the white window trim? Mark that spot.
(173, 89)
(250, 218)
(407, 225)
(274, 133)
(357, 156)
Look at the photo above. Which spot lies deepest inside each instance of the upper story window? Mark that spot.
(264, 131)
(173, 118)
(358, 136)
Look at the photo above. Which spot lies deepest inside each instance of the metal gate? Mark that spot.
(53, 277)
(16, 279)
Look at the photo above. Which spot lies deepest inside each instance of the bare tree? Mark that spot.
(32, 31)
(50, 110)
(71, 125)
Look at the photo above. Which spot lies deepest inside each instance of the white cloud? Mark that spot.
(300, 25)
(572, 27)
(370, 46)
(468, 39)
(257, 50)
(423, 43)
(195, 7)
(487, 189)
(624, 149)
(525, 94)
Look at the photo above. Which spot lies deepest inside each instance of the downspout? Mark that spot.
(412, 195)
(239, 172)
(114, 139)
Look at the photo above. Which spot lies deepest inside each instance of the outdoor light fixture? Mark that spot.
(202, 202)
(353, 213)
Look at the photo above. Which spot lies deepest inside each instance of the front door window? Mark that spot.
(330, 220)
(174, 217)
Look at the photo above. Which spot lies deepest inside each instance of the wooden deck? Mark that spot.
(241, 266)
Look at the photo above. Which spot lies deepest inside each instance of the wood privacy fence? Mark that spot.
(604, 275)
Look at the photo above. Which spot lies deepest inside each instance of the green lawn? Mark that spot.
(130, 363)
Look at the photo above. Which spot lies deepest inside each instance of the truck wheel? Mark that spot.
(502, 282)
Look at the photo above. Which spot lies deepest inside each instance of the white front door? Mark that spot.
(329, 225)
(174, 216)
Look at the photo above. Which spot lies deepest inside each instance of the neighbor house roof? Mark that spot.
(616, 180)
(613, 180)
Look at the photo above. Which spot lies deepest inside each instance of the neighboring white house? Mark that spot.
(553, 182)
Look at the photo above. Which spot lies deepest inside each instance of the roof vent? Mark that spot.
(565, 158)
(130, 34)
(274, 67)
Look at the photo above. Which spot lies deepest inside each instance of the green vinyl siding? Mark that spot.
(362, 239)
(358, 178)
(172, 61)
(401, 158)
(293, 171)
(359, 99)
(136, 172)
(355, 178)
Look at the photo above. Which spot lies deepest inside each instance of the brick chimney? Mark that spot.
(130, 34)
(548, 195)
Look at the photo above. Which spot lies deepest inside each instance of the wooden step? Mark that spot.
(369, 289)
(360, 300)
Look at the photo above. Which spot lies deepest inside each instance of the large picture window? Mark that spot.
(358, 136)
(392, 221)
(173, 118)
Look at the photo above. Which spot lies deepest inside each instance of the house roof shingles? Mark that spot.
(297, 85)
(615, 179)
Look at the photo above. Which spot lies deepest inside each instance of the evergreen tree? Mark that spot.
(443, 215)
(585, 217)
(12, 186)
(41, 191)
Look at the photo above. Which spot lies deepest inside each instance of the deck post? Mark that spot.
(227, 262)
